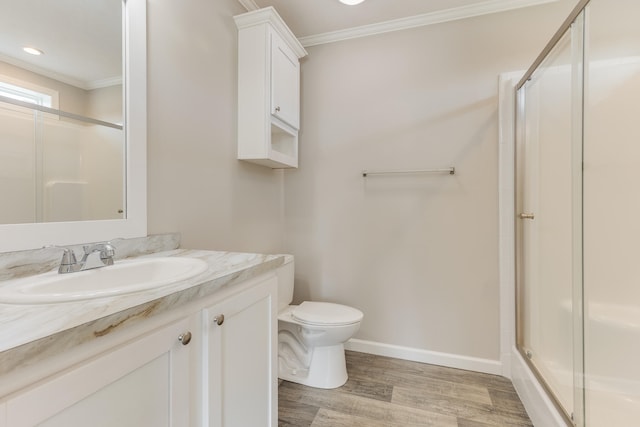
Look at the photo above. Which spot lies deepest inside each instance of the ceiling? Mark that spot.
(81, 39)
(313, 17)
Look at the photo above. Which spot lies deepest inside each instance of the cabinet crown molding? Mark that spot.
(270, 15)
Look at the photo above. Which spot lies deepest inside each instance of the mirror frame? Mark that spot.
(15, 237)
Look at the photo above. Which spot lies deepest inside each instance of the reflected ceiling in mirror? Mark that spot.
(81, 39)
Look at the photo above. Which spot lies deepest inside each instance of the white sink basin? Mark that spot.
(123, 277)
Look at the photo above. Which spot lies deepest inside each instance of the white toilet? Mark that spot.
(311, 336)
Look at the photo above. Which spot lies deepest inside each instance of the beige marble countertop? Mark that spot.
(30, 329)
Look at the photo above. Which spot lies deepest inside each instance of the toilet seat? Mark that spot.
(326, 313)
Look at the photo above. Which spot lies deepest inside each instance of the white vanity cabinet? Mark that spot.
(181, 365)
(241, 359)
(143, 382)
(268, 89)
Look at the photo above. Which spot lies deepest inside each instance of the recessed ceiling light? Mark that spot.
(351, 2)
(32, 50)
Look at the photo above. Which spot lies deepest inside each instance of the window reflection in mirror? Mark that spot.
(65, 165)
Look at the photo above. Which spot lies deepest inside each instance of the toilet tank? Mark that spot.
(285, 282)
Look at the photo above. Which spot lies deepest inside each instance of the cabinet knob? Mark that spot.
(219, 319)
(526, 215)
(185, 338)
(278, 109)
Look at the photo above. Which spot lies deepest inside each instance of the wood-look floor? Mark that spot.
(386, 392)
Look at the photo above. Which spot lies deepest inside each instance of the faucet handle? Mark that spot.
(68, 261)
(68, 257)
(104, 247)
(107, 253)
(108, 249)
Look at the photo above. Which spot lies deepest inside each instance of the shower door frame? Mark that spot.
(575, 24)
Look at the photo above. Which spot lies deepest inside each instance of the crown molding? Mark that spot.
(99, 84)
(82, 84)
(270, 15)
(250, 5)
(447, 15)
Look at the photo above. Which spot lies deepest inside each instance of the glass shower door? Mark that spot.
(548, 190)
(578, 157)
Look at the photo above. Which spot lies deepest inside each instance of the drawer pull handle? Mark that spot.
(219, 319)
(277, 109)
(185, 338)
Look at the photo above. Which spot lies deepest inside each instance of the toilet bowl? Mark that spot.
(311, 336)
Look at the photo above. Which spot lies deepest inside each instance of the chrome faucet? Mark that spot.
(69, 263)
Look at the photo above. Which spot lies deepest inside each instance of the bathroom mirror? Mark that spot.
(94, 100)
(62, 55)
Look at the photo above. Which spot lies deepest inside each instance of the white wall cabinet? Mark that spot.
(268, 89)
(144, 382)
(241, 370)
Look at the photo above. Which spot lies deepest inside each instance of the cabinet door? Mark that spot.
(242, 375)
(285, 83)
(142, 383)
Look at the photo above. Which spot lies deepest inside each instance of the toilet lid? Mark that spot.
(326, 313)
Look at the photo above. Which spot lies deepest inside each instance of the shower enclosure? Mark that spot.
(578, 215)
(56, 166)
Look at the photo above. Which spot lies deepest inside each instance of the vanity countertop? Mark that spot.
(34, 329)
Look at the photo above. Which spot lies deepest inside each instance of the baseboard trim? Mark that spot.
(487, 366)
(540, 408)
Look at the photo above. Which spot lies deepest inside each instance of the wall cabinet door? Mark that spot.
(144, 382)
(241, 372)
(285, 83)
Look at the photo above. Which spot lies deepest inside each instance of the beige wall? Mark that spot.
(105, 103)
(196, 185)
(417, 254)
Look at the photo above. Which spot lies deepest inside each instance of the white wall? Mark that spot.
(418, 254)
(196, 185)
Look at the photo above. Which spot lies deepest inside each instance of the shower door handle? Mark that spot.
(526, 216)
